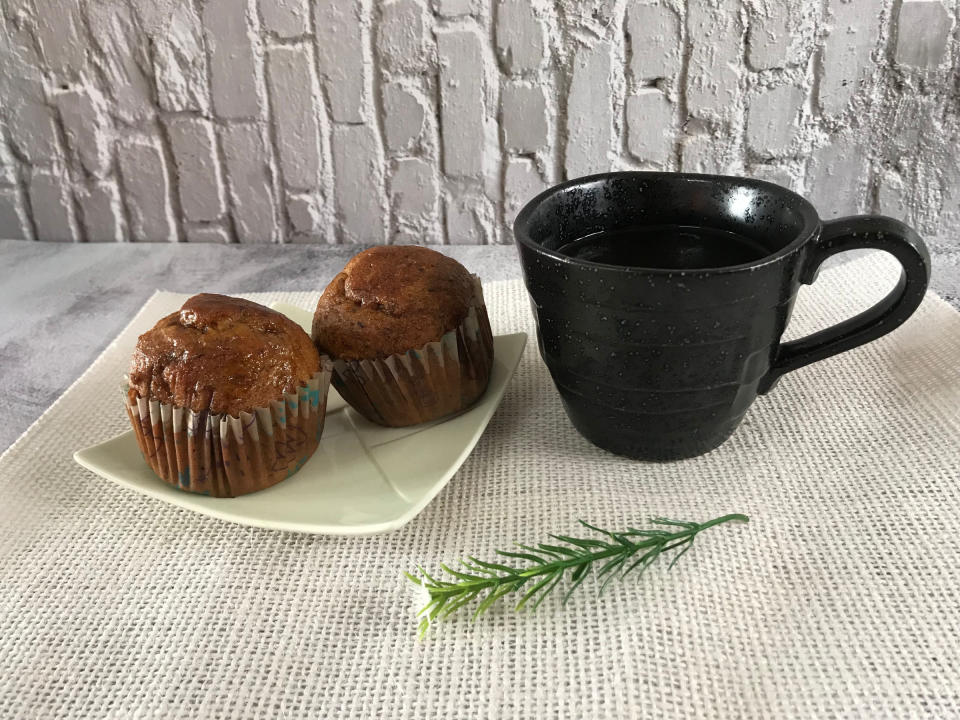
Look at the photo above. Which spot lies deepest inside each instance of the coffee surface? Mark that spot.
(670, 247)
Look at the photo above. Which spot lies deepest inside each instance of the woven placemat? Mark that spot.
(841, 598)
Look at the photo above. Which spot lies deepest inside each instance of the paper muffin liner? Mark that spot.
(226, 456)
(438, 379)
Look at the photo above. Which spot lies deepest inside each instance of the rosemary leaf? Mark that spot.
(548, 564)
(490, 565)
(578, 577)
(521, 556)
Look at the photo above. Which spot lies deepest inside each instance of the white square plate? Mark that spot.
(363, 479)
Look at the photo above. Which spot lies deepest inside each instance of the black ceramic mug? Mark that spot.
(660, 299)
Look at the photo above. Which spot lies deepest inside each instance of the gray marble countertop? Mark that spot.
(62, 304)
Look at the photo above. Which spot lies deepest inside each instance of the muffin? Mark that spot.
(408, 333)
(226, 396)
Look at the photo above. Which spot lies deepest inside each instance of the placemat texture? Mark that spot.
(840, 598)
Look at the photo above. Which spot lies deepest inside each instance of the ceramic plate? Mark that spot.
(363, 478)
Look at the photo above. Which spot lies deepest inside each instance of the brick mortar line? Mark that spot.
(499, 229)
(444, 187)
(683, 111)
(388, 223)
(333, 235)
(273, 162)
(172, 184)
(266, 134)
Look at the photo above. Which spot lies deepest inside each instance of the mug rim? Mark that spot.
(811, 222)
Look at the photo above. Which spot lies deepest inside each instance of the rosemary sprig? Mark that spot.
(489, 581)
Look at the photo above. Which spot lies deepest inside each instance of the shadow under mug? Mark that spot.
(661, 363)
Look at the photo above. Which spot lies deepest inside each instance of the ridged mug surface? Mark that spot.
(651, 363)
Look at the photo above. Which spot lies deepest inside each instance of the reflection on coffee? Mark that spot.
(670, 247)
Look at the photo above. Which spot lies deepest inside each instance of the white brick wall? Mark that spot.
(433, 121)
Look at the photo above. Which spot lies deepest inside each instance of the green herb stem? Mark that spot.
(549, 563)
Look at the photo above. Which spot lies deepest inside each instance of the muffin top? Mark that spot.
(391, 299)
(222, 354)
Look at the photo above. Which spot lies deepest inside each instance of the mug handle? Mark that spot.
(852, 233)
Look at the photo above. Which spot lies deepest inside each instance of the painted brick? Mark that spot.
(198, 170)
(468, 219)
(520, 37)
(179, 60)
(233, 64)
(33, 131)
(696, 155)
(455, 8)
(402, 37)
(713, 74)
(654, 32)
(249, 183)
(13, 219)
(207, 234)
(923, 30)
(124, 52)
(846, 51)
(650, 134)
(52, 207)
(305, 213)
(30, 122)
(286, 18)
(772, 120)
(145, 185)
(404, 111)
(298, 132)
(101, 212)
(357, 169)
(339, 42)
(86, 126)
(593, 16)
(418, 230)
(769, 36)
(413, 187)
(149, 61)
(950, 187)
(523, 109)
(492, 161)
(712, 154)
(9, 170)
(590, 112)
(836, 184)
(773, 173)
(522, 182)
(414, 236)
(892, 195)
(461, 109)
(59, 32)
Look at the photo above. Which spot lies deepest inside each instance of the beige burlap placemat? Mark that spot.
(841, 598)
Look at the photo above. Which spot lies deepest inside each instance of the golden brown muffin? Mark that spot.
(222, 354)
(391, 299)
(408, 332)
(226, 397)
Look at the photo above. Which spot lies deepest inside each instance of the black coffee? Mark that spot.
(671, 247)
